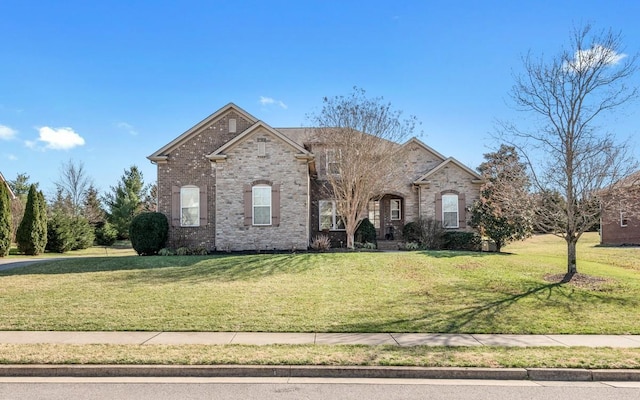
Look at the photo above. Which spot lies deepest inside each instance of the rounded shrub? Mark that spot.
(366, 232)
(148, 232)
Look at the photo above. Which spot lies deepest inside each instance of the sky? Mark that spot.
(108, 83)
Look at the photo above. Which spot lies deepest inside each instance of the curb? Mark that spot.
(278, 371)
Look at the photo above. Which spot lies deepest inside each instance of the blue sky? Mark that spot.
(108, 83)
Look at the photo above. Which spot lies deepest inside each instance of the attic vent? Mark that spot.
(262, 147)
(232, 125)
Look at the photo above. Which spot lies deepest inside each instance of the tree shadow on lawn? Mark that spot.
(175, 268)
(465, 319)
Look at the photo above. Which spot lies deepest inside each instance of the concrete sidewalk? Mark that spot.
(266, 338)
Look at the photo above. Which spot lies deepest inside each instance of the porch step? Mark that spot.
(388, 244)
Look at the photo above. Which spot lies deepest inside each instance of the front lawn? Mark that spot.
(333, 292)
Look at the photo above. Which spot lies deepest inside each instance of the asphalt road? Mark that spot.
(309, 389)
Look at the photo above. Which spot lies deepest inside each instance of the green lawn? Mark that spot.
(333, 292)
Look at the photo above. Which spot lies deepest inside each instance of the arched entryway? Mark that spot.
(386, 213)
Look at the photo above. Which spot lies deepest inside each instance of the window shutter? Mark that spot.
(439, 207)
(175, 206)
(275, 204)
(203, 205)
(248, 204)
(462, 211)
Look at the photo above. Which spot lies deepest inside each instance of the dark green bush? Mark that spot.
(106, 234)
(411, 232)
(32, 232)
(148, 232)
(65, 233)
(59, 235)
(83, 234)
(366, 232)
(5, 220)
(456, 240)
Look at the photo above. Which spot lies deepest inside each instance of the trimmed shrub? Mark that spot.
(148, 232)
(411, 232)
(32, 232)
(106, 234)
(5, 220)
(457, 240)
(366, 232)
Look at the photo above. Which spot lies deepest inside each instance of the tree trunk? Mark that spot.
(351, 239)
(572, 268)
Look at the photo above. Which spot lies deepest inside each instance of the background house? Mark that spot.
(233, 183)
(620, 219)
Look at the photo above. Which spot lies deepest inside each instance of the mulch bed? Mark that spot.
(582, 281)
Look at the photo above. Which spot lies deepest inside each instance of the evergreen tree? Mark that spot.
(5, 220)
(125, 201)
(92, 209)
(32, 232)
(505, 210)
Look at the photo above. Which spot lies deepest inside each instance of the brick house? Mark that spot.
(620, 222)
(233, 183)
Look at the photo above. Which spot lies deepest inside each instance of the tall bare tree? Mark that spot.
(568, 152)
(361, 137)
(74, 182)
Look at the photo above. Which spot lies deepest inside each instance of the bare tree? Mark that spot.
(569, 154)
(74, 183)
(360, 136)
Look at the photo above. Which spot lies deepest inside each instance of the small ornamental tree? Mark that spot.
(5, 220)
(148, 232)
(32, 232)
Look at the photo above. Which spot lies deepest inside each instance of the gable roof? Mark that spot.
(423, 180)
(161, 154)
(219, 155)
(415, 140)
(4, 181)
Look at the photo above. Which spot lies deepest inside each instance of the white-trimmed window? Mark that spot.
(450, 211)
(396, 209)
(261, 204)
(624, 221)
(333, 161)
(374, 213)
(189, 206)
(329, 217)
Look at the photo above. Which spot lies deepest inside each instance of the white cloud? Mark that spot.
(58, 138)
(127, 127)
(12, 157)
(7, 133)
(265, 101)
(597, 55)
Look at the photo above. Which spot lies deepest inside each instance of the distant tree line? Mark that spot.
(76, 216)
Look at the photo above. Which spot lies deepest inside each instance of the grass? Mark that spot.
(490, 357)
(332, 292)
(118, 249)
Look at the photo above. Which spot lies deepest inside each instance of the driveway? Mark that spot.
(10, 263)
